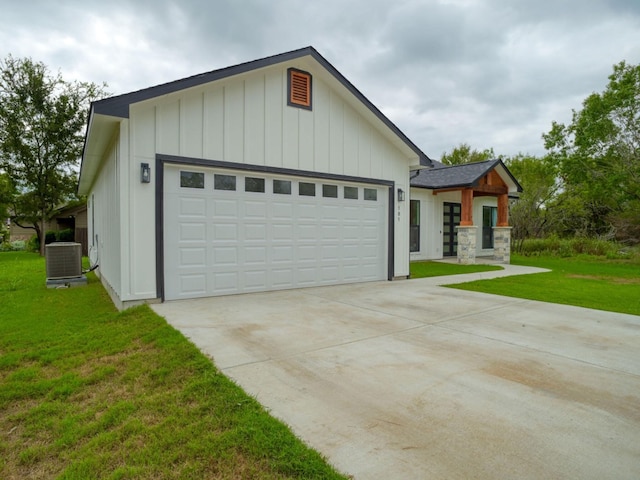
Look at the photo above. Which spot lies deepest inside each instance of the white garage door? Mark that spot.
(228, 231)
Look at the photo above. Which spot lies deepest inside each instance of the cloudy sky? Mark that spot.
(490, 73)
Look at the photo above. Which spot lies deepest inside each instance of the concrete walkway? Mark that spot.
(412, 380)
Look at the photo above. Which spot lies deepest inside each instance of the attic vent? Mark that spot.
(299, 89)
(64, 260)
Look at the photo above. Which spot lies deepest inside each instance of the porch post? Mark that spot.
(502, 244)
(503, 210)
(466, 219)
(466, 230)
(467, 244)
(502, 232)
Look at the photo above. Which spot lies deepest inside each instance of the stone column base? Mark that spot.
(467, 245)
(502, 244)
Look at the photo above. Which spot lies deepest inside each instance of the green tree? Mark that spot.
(531, 215)
(464, 154)
(598, 158)
(42, 120)
(6, 199)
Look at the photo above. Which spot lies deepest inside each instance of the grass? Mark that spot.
(584, 280)
(436, 269)
(89, 392)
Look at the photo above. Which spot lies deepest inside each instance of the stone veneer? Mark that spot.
(502, 244)
(466, 244)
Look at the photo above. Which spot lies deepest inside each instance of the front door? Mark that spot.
(449, 233)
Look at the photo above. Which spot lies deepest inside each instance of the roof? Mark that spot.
(117, 107)
(464, 175)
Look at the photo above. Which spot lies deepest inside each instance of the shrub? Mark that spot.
(33, 245)
(66, 235)
(569, 247)
(49, 237)
(14, 246)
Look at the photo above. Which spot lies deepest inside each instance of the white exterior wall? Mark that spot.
(245, 119)
(103, 207)
(431, 221)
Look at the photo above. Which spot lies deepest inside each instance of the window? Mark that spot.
(489, 220)
(351, 193)
(299, 89)
(414, 226)
(307, 189)
(192, 179)
(330, 191)
(282, 187)
(370, 194)
(224, 182)
(252, 184)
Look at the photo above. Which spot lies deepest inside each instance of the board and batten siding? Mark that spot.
(103, 222)
(245, 119)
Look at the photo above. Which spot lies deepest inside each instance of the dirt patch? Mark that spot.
(616, 280)
(549, 381)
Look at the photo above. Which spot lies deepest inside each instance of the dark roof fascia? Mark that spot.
(447, 187)
(118, 106)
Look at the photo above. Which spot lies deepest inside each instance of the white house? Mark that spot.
(272, 174)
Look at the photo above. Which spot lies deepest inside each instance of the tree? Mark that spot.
(42, 118)
(531, 215)
(598, 155)
(463, 154)
(6, 199)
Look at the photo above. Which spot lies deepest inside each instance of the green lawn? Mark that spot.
(436, 269)
(585, 281)
(87, 392)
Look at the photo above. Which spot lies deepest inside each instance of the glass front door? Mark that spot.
(449, 233)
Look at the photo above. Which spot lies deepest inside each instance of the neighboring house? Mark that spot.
(271, 174)
(73, 217)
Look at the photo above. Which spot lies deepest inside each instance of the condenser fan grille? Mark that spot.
(64, 260)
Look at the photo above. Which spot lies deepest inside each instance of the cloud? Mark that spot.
(492, 73)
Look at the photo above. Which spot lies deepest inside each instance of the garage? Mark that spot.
(268, 175)
(229, 231)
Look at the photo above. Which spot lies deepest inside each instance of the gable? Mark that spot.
(105, 113)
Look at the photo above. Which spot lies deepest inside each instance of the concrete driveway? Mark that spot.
(411, 380)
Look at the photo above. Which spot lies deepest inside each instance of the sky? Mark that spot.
(489, 73)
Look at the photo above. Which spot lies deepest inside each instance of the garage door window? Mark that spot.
(252, 184)
(330, 191)
(224, 182)
(282, 187)
(370, 194)
(307, 189)
(192, 179)
(351, 193)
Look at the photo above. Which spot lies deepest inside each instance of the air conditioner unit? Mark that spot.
(64, 260)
